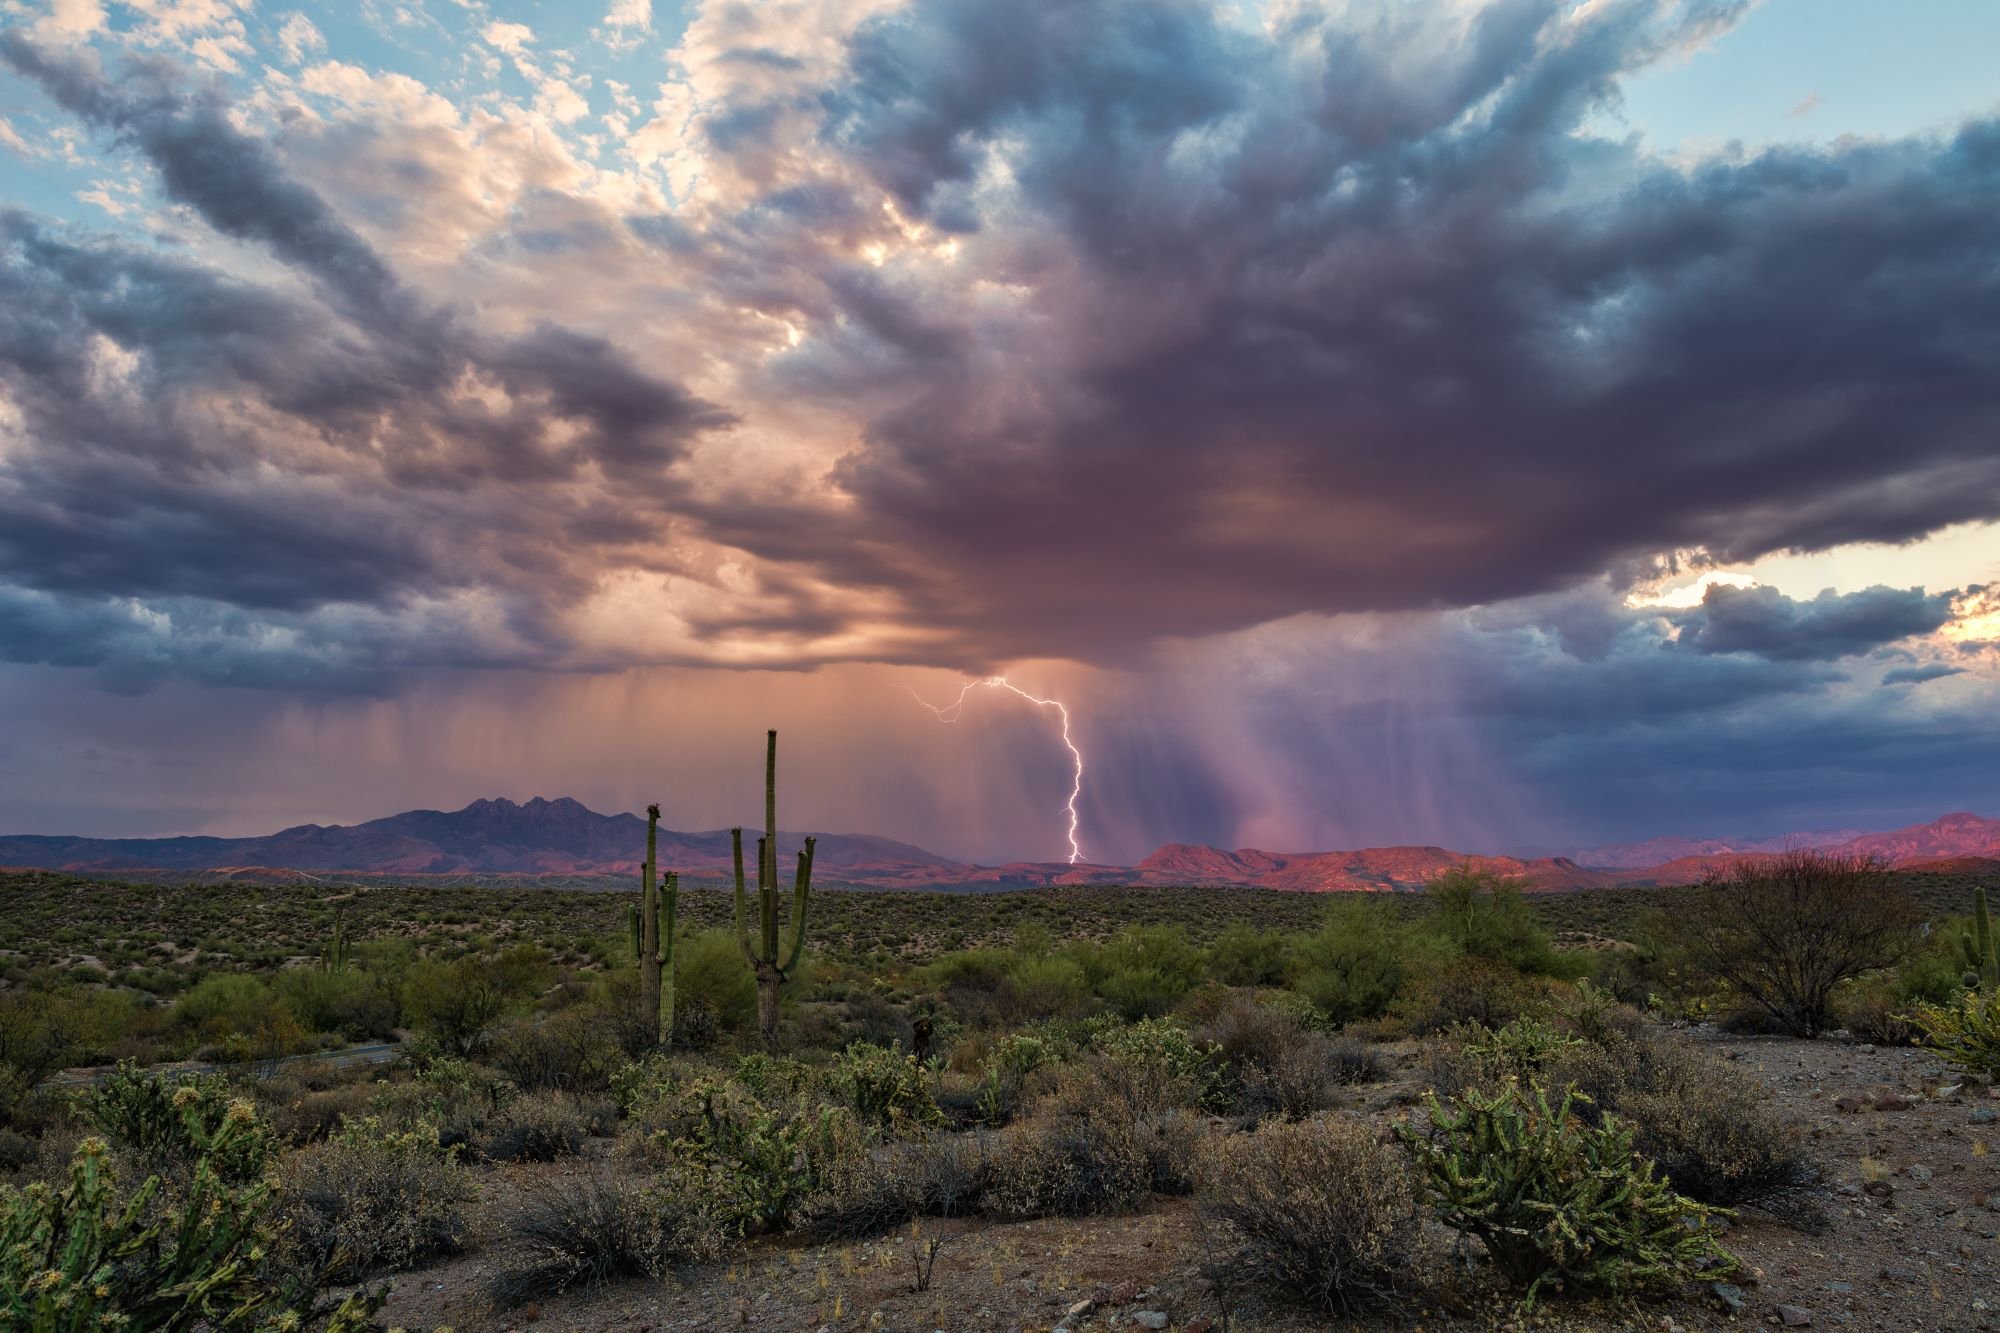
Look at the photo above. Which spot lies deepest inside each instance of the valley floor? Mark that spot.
(1913, 1204)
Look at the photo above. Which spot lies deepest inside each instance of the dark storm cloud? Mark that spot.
(1832, 625)
(1352, 320)
(1242, 324)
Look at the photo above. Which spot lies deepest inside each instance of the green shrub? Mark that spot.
(43, 1031)
(1243, 955)
(1003, 1077)
(574, 1049)
(752, 1163)
(371, 1199)
(1477, 914)
(710, 978)
(357, 1005)
(886, 1088)
(457, 1004)
(1559, 1203)
(1356, 964)
(589, 1231)
(1964, 1032)
(1324, 1213)
(1147, 969)
(1157, 1063)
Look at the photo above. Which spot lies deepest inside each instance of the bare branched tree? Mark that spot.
(1784, 933)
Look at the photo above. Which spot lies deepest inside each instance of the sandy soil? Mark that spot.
(1913, 1201)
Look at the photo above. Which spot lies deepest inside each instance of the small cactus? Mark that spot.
(654, 925)
(771, 963)
(1982, 963)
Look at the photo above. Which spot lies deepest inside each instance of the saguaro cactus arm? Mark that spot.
(742, 906)
(801, 895)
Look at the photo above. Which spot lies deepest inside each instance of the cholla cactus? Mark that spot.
(1982, 964)
(771, 963)
(655, 929)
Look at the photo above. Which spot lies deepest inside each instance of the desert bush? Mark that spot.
(1785, 934)
(753, 1164)
(1322, 1211)
(1557, 1202)
(1271, 1061)
(886, 1088)
(868, 1194)
(371, 1199)
(42, 1031)
(1145, 970)
(1157, 1063)
(457, 1004)
(536, 1127)
(709, 978)
(1004, 1075)
(589, 1231)
(1356, 964)
(172, 1129)
(1965, 1032)
(1477, 914)
(355, 1004)
(1069, 1162)
(574, 1049)
(1480, 991)
(1243, 955)
(85, 1257)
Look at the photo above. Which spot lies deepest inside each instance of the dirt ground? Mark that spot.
(1913, 1202)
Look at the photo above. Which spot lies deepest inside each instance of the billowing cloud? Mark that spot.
(1832, 625)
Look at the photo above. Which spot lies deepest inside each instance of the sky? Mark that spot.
(1498, 424)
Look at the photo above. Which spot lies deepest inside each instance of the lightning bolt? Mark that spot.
(950, 713)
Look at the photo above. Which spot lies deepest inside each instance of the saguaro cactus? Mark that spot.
(1982, 955)
(771, 963)
(655, 927)
(333, 956)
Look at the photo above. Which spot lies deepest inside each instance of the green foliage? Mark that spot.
(1005, 1073)
(357, 1005)
(42, 1031)
(1162, 1054)
(457, 1004)
(82, 1258)
(1477, 914)
(1354, 966)
(709, 977)
(753, 1164)
(886, 1088)
(173, 1129)
(1559, 1203)
(1146, 970)
(1964, 1031)
(655, 933)
(1244, 955)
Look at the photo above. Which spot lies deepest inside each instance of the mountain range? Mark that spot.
(563, 838)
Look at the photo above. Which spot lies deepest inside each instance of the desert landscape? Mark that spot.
(1384, 619)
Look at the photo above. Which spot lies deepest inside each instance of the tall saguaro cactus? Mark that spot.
(771, 963)
(655, 926)
(1982, 955)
